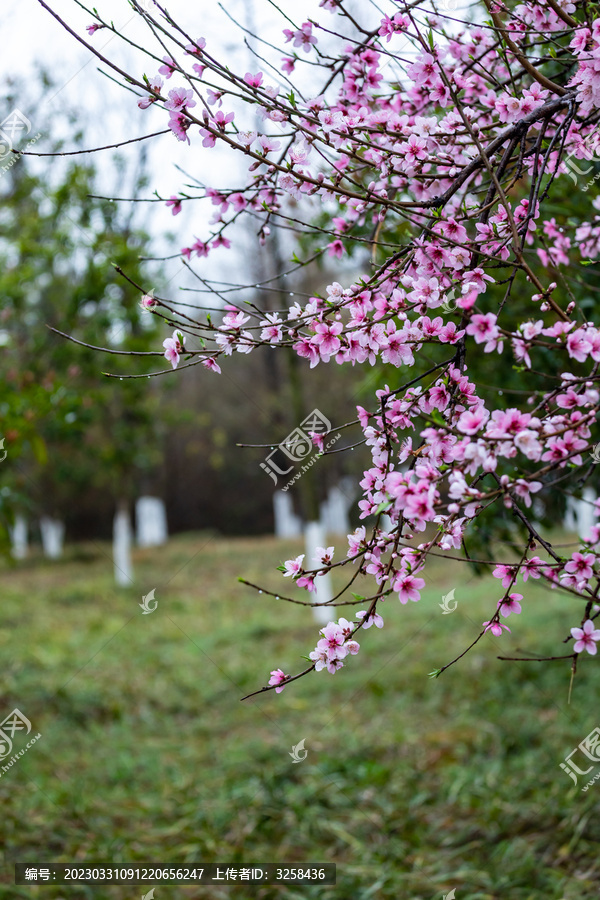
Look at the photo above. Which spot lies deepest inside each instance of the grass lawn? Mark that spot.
(412, 786)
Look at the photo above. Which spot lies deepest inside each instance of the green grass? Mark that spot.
(412, 785)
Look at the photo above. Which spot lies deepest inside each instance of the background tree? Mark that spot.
(73, 438)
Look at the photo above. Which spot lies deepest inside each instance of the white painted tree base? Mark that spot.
(385, 523)
(122, 548)
(580, 515)
(18, 537)
(53, 532)
(151, 522)
(586, 515)
(287, 523)
(315, 536)
(334, 512)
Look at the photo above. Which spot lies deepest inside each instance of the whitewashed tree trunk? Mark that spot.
(315, 536)
(580, 515)
(18, 536)
(386, 523)
(122, 547)
(53, 532)
(151, 522)
(586, 515)
(571, 515)
(334, 512)
(325, 516)
(287, 523)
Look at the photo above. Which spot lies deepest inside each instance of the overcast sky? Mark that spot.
(31, 37)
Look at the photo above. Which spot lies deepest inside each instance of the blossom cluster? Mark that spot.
(336, 643)
(442, 160)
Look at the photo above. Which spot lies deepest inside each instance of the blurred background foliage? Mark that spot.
(79, 442)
